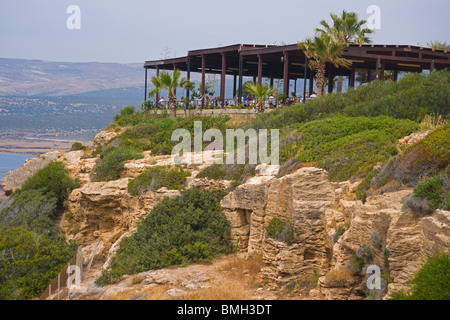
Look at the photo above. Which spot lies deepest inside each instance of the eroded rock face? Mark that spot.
(77, 167)
(107, 211)
(105, 136)
(300, 198)
(14, 179)
(397, 241)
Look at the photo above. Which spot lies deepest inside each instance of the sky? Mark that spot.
(133, 31)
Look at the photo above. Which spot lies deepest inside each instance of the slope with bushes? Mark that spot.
(32, 248)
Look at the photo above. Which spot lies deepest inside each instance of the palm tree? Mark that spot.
(346, 29)
(170, 82)
(261, 92)
(322, 50)
(439, 45)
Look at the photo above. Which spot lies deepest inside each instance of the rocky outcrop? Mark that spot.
(14, 179)
(302, 199)
(77, 166)
(377, 233)
(107, 211)
(105, 136)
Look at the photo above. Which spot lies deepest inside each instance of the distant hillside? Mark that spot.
(20, 77)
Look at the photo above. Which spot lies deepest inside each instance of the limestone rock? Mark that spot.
(302, 198)
(103, 137)
(413, 138)
(107, 211)
(14, 179)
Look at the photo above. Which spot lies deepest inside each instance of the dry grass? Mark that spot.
(237, 123)
(339, 278)
(433, 121)
(223, 291)
(251, 265)
(144, 293)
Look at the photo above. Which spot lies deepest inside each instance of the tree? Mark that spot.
(170, 82)
(261, 92)
(439, 45)
(346, 29)
(320, 50)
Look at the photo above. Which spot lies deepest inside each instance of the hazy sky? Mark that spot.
(138, 30)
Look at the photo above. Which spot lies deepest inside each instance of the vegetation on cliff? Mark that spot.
(432, 281)
(185, 229)
(158, 177)
(32, 249)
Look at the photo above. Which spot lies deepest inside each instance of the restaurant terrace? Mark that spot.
(289, 63)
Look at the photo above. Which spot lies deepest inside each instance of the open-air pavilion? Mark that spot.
(289, 63)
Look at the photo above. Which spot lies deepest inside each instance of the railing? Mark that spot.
(59, 289)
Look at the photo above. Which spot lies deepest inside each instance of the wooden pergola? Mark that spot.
(290, 63)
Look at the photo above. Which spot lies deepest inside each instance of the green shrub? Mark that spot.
(76, 146)
(179, 230)
(29, 261)
(425, 159)
(375, 239)
(233, 172)
(431, 194)
(125, 113)
(280, 230)
(349, 147)
(28, 206)
(339, 232)
(362, 191)
(110, 164)
(356, 264)
(158, 177)
(52, 180)
(368, 252)
(432, 281)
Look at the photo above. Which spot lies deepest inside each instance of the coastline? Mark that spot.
(36, 146)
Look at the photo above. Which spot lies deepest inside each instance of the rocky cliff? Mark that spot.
(327, 233)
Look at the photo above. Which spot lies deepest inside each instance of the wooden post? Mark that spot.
(222, 80)
(203, 79)
(157, 93)
(241, 75)
(286, 74)
(271, 82)
(377, 68)
(395, 75)
(304, 79)
(175, 89)
(383, 66)
(432, 66)
(234, 85)
(260, 61)
(369, 75)
(145, 91)
(352, 77)
(188, 66)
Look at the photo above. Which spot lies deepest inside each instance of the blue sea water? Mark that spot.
(10, 161)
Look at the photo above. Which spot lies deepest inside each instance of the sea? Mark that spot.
(11, 161)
